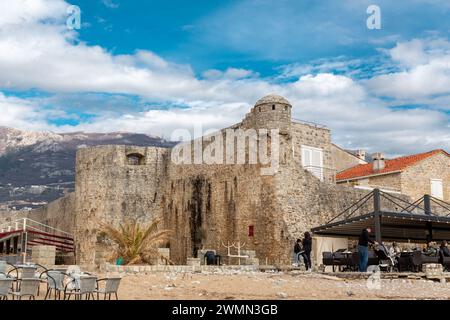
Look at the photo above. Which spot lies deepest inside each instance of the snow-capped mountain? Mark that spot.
(38, 167)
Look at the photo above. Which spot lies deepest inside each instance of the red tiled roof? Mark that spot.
(392, 165)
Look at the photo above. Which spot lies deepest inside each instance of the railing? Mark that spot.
(420, 206)
(322, 173)
(26, 223)
(310, 123)
(37, 233)
(372, 187)
(441, 203)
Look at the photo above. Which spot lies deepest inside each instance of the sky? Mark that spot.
(157, 66)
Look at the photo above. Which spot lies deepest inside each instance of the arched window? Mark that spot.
(135, 159)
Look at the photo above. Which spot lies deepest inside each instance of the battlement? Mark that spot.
(270, 112)
(118, 156)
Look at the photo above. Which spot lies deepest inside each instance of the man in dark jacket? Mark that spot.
(363, 249)
(307, 247)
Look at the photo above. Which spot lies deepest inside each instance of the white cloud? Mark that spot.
(29, 12)
(21, 114)
(425, 71)
(230, 74)
(110, 4)
(48, 57)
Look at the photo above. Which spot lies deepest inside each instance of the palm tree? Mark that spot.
(137, 243)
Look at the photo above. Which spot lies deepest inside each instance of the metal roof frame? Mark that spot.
(388, 225)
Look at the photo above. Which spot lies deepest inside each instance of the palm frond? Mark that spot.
(135, 241)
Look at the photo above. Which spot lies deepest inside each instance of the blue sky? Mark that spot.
(259, 35)
(156, 66)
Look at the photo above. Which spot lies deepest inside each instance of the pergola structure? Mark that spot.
(415, 221)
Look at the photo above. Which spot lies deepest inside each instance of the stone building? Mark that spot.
(209, 201)
(344, 160)
(413, 175)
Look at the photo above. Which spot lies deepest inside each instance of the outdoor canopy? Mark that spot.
(391, 226)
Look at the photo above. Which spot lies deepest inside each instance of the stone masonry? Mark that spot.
(208, 205)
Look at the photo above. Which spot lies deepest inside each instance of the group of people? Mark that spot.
(302, 251)
(363, 249)
(303, 247)
(442, 251)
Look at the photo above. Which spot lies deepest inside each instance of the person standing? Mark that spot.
(307, 247)
(363, 249)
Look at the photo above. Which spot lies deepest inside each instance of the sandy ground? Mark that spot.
(264, 286)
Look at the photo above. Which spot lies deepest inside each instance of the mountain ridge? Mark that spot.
(37, 167)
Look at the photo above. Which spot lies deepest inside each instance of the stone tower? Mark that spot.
(272, 112)
(113, 184)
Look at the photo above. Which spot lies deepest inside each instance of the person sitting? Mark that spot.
(396, 248)
(443, 252)
(297, 252)
(430, 250)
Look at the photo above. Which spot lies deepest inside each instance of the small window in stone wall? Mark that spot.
(259, 109)
(273, 107)
(286, 108)
(135, 159)
(251, 231)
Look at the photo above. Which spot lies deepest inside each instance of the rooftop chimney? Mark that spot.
(361, 154)
(378, 161)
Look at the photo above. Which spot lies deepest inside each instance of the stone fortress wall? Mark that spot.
(115, 183)
(209, 204)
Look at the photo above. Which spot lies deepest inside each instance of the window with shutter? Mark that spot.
(312, 160)
(437, 189)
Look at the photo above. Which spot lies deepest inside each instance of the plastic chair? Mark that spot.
(111, 287)
(28, 287)
(87, 287)
(5, 287)
(55, 282)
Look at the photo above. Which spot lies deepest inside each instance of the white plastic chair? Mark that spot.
(87, 286)
(28, 287)
(5, 287)
(111, 287)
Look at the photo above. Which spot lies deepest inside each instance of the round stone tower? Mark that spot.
(272, 112)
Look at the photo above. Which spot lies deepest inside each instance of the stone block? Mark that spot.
(44, 255)
(194, 262)
(433, 270)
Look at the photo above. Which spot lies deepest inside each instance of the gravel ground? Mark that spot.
(259, 285)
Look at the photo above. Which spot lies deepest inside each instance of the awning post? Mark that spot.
(427, 204)
(376, 200)
(377, 212)
(378, 227)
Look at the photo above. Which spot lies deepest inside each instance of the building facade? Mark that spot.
(265, 205)
(413, 175)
